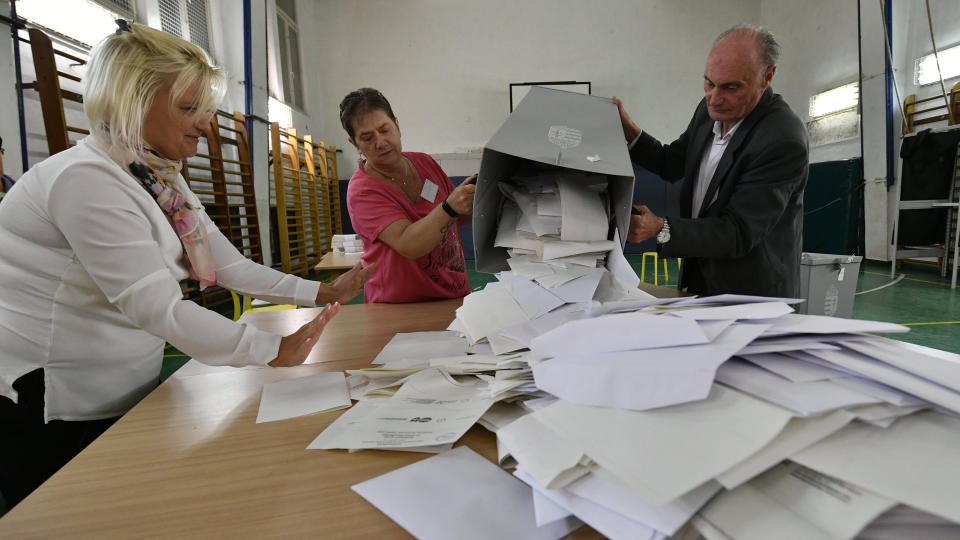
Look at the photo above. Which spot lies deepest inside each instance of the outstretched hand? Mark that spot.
(630, 128)
(295, 348)
(347, 286)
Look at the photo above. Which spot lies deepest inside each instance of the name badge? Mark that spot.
(429, 191)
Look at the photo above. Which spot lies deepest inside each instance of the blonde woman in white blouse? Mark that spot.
(95, 242)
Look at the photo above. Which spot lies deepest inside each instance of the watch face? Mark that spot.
(664, 235)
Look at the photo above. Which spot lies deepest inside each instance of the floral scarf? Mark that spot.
(158, 176)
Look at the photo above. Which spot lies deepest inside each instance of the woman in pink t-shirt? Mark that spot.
(404, 208)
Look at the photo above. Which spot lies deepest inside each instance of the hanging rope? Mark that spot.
(936, 57)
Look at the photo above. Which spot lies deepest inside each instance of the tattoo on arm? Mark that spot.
(443, 230)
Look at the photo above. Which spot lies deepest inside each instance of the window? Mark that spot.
(280, 112)
(925, 69)
(86, 21)
(123, 8)
(186, 19)
(834, 115)
(835, 100)
(288, 38)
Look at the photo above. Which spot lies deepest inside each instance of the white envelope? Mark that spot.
(660, 454)
(459, 494)
(605, 521)
(913, 461)
(290, 398)
(804, 398)
(618, 332)
(419, 344)
(641, 380)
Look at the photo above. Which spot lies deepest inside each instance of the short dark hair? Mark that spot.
(360, 102)
(766, 43)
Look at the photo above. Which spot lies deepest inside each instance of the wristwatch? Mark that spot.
(664, 235)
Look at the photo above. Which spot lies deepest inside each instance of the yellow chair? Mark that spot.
(244, 305)
(666, 273)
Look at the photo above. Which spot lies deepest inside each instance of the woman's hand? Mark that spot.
(461, 199)
(417, 239)
(345, 287)
(295, 348)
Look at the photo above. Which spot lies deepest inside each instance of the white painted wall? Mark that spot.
(446, 65)
(819, 40)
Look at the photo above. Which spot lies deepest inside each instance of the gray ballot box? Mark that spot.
(828, 282)
(551, 130)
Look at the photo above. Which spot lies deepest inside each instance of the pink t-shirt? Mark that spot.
(374, 205)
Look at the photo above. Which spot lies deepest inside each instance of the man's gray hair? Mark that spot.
(769, 48)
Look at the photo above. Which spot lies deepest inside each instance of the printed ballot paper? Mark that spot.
(430, 408)
(913, 461)
(302, 396)
(791, 501)
(459, 494)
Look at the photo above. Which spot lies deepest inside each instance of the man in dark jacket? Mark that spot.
(744, 157)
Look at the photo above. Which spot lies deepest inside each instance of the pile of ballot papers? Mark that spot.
(642, 416)
(346, 243)
(729, 414)
(554, 217)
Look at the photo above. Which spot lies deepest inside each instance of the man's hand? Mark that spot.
(644, 226)
(630, 128)
(345, 287)
(295, 348)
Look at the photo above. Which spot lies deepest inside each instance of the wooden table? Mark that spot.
(337, 262)
(191, 461)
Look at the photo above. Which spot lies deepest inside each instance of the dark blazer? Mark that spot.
(748, 239)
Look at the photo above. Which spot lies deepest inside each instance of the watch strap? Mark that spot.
(449, 209)
(664, 235)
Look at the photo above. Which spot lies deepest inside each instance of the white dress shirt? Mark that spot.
(708, 166)
(89, 288)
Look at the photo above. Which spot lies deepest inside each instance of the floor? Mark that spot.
(922, 300)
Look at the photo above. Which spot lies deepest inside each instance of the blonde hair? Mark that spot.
(128, 69)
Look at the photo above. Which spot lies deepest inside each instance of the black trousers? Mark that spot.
(30, 450)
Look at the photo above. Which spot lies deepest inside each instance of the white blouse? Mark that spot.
(89, 288)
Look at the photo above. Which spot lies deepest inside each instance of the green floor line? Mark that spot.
(927, 323)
